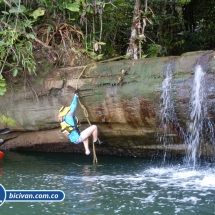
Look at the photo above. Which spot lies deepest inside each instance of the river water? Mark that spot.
(116, 185)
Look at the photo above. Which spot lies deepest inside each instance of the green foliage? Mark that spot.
(2, 85)
(38, 12)
(74, 7)
(16, 10)
(15, 72)
(7, 121)
(154, 50)
(144, 56)
(15, 52)
(15, 43)
(183, 2)
(99, 29)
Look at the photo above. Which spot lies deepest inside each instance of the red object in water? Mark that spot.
(1, 154)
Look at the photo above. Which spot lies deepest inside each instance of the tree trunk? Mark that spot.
(132, 51)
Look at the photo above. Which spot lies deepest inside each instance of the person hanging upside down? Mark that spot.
(69, 125)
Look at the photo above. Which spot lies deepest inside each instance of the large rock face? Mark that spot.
(122, 98)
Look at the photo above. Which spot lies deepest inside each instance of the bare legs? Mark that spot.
(85, 134)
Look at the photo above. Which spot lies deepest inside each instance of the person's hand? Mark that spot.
(76, 92)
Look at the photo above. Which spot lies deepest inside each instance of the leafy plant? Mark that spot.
(7, 121)
(184, 1)
(15, 52)
(99, 29)
(2, 85)
(154, 50)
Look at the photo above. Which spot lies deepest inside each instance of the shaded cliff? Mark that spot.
(122, 98)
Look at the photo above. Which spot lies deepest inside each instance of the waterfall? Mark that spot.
(168, 119)
(167, 106)
(200, 130)
(199, 126)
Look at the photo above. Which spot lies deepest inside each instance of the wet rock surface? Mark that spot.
(126, 107)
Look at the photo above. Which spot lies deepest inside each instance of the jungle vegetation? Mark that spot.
(99, 30)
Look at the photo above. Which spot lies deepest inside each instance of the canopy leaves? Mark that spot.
(100, 29)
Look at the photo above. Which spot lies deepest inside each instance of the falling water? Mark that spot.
(198, 118)
(168, 118)
(200, 129)
(167, 107)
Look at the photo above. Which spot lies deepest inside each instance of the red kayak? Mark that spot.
(1, 155)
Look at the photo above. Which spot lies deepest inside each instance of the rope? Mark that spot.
(86, 114)
(83, 107)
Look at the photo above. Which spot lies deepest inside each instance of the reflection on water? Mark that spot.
(1, 170)
(114, 186)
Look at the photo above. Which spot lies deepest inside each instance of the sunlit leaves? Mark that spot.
(30, 36)
(7, 120)
(89, 9)
(83, 2)
(183, 2)
(5, 12)
(2, 85)
(9, 36)
(38, 12)
(15, 72)
(20, 9)
(74, 7)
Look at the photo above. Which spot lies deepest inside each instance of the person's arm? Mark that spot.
(74, 103)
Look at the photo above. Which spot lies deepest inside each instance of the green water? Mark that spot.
(116, 185)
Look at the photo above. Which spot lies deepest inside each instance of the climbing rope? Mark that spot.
(83, 107)
(86, 114)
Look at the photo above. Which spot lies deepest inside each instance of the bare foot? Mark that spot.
(87, 152)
